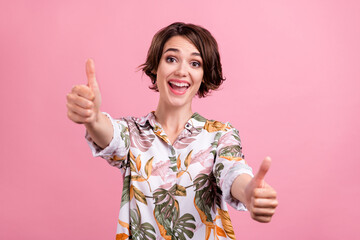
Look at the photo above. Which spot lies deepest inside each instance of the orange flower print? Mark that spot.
(214, 126)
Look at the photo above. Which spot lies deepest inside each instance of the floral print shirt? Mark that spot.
(179, 190)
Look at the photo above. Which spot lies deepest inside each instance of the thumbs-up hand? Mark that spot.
(83, 102)
(261, 197)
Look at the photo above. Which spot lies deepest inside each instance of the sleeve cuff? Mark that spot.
(230, 177)
(111, 148)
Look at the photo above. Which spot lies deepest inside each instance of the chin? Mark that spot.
(179, 101)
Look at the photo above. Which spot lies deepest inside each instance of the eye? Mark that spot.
(195, 64)
(170, 59)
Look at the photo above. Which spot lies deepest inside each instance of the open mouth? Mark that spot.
(178, 87)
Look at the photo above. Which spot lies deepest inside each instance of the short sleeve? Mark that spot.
(229, 164)
(117, 150)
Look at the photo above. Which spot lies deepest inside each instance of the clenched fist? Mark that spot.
(83, 102)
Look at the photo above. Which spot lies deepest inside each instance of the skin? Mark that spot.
(180, 61)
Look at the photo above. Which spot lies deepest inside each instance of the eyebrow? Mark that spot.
(177, 50)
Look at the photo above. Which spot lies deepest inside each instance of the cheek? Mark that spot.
(200, 77)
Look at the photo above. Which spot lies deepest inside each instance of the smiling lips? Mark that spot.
(178, 87)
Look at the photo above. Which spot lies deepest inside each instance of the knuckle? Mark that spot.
(91, 105)
(69, 97)
(272, 211)
(254, 192)
(256, 211)
(91, 95)
(88, 113)
(274, 193)
(69, 106)
(256, 202)
(79, 89)
(257, 192)
(75, 88)
(88, 120)
(264, 219)
(72, 117)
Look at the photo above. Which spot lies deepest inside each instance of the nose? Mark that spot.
(181, 70)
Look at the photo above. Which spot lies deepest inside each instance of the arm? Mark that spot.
(258, 196)
(83, 103)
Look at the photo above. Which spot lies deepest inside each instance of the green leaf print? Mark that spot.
(231, 151)
(167, 212)
(200, 181)
(174, 168)
(124, 136)
(207, 196)
(172, 151)
(160, 195)
(216, 140)
(217, 136)
(218, 168)
(237, 137)
(139, 195)
(140, 230)
(198, 117)
(214, 153)
(125, 197)
(183, 226)
(173, 161)
(132, 167)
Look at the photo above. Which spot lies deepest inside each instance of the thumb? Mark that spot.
(90, 74)
(260, 176)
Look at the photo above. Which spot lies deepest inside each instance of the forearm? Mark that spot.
(238, 188)
(101, 131)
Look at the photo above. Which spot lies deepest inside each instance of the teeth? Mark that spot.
(180, 84)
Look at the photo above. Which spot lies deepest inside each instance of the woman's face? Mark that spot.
(179, 73)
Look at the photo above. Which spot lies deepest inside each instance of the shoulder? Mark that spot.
(217, 126)
(212, 125)
(139, 123)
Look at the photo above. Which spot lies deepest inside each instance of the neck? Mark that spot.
(173, 119)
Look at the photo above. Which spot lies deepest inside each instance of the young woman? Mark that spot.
(180, 169)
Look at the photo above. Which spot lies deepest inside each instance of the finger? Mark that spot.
(264, 203)
(264, 193)
(83, 91)
(90, 73)
(263, 211)
(264, 168)
(82, 112)
(262, 219)
(77, 118)
(79, 101)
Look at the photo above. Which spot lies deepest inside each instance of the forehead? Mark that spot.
(181, 43)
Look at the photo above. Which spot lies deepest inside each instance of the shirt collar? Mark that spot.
(194, 124)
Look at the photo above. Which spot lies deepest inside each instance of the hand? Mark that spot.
(83, 102)
(261, 197)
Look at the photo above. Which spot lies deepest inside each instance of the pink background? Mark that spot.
(292, 90)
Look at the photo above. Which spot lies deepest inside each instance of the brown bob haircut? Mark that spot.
(202, 40)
